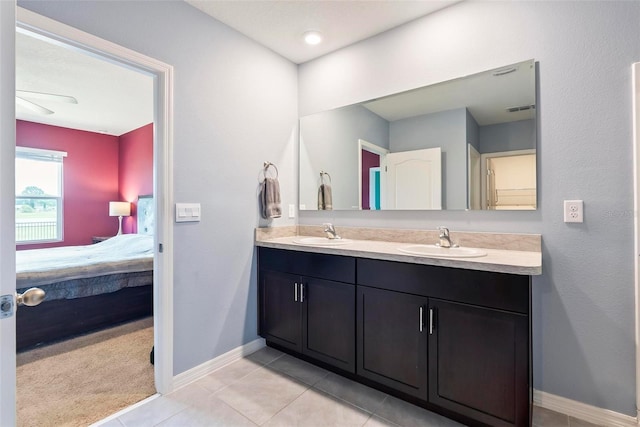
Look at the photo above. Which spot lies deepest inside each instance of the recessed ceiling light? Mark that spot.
(312, 37)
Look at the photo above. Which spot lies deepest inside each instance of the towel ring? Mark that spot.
(266, 167)
(322, 173)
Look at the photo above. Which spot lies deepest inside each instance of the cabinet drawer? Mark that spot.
(495, 290)
(329, 267)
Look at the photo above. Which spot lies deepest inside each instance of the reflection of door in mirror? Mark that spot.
(474, 177)
(510, 180)
(375, 189)
(413, 179)
(369, 184)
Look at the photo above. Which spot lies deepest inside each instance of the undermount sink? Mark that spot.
(437, 251)
(321, 241)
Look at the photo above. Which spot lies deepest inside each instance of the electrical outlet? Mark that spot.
(292, 211)
(573, 211)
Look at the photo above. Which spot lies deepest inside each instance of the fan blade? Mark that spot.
(47, 96)
(31, 106)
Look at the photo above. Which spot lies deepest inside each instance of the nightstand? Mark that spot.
(98, 239)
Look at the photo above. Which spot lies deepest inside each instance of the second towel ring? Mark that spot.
(266, 167)
(322, 173)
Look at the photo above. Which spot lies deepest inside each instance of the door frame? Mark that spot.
(635, 93)
(474, 181)
(7, 209)
(162, 73)
(372, 148)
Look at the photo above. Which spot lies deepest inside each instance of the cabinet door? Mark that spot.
(280, 309)
(329, 330)
(392, 339)
(478, 363)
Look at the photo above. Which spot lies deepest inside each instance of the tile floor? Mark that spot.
(270, 388)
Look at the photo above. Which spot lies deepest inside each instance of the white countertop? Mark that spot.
(496, 260)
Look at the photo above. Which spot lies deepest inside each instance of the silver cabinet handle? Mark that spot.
(301, 292)
(295, 292)
(431, 321)
(421, 318)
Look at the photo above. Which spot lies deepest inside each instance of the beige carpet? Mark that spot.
(80, 381)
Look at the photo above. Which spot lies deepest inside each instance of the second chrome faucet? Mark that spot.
(330, 231)
(445, 238)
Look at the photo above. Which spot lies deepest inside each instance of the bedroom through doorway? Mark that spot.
(84, 191)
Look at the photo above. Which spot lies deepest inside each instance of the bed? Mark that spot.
(87, 287)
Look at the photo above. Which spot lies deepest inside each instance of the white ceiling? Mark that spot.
(111, 99)
(279, 25)
(488, 96)
(115, 100)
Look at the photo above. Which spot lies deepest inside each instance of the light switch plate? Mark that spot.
(188, 212)
(292, 211)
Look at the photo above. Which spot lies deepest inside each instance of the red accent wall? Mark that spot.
(136, 170)
(98, 169)
(90, 178)
(369, 160)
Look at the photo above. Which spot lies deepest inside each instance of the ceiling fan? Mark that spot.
(22, 95)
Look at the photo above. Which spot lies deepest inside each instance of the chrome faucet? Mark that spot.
(445, 239)
(330, 231)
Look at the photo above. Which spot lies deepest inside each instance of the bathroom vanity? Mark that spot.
(451, 335)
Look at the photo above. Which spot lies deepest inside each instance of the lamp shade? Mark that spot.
(119, 208)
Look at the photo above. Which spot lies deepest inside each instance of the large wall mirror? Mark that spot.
(467, 143)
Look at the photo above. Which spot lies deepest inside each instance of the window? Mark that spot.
(38, 195)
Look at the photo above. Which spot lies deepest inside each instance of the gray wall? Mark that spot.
(235, 107)
(583, 303)
(447, 130)
(329, 142)
(520, 135)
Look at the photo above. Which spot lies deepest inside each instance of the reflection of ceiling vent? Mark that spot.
(504, 71)
(521, 108)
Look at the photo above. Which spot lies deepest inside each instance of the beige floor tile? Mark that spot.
(265, 355)
(546, 418)
(376, 421)
(408, 415)
(576, 422)
(152, 413)
(261, 394)
(192, 394)
(212, 413)
(355, 393)
(112, 423)
(235, 371)
(299, 369)
(317, 409)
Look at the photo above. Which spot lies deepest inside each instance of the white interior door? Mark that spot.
(7, 214)
(414, 179)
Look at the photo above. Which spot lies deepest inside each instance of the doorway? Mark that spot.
(509, 180)
(370, 192)
(162, 75)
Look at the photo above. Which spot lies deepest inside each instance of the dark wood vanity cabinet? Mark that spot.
(392, 339)
(478, 362)
(307, 314)
(451, 340)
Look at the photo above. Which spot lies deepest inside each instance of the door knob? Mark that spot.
(30, 297)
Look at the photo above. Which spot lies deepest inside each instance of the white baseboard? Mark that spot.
(583, 411)
(206, 368)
